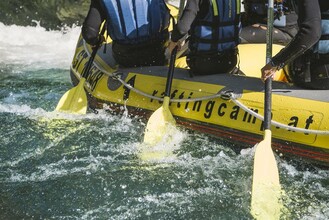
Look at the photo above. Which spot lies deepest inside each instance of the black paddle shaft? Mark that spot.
(171, 71)
(268, 82)
(268, 103)
(90, 62)
(86, 71)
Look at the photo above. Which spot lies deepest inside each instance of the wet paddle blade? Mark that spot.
(266, 189)
(159, 124)
(75, 100)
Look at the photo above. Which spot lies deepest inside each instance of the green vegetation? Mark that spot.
(52, 14)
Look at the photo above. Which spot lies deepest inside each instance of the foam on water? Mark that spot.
(36, 48)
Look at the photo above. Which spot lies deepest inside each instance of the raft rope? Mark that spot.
(226, 95)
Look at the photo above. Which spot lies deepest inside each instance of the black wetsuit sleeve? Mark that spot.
(184, 23)
(91, 25)
(309, 20)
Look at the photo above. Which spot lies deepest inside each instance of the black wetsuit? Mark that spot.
(202, 64)
(132, 55)
(309, 20)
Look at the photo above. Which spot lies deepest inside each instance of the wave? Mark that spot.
(40, 34)
(36, 47)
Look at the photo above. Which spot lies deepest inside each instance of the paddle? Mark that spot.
(75, 100)
(266, 189)
(161, 119)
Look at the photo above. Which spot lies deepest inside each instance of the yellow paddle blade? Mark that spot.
(266, 189)
(75, 100)
(159, 123)
(159, 146)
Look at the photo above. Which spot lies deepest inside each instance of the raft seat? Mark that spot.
(252, 59)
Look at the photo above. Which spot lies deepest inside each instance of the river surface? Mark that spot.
(59, 166)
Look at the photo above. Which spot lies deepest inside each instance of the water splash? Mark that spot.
(36, 48)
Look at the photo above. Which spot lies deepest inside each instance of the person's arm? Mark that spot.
(308, 34)
(184, 23)
(92, 23)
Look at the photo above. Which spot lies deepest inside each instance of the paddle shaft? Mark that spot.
(85, 73)
(171, 71)
(86, 70)
(268, 82)
(159, 123)
(266, 189)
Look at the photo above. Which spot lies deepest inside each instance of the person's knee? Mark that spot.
(90, 35)
(257, 34)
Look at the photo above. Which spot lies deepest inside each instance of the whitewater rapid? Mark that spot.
(37, 48)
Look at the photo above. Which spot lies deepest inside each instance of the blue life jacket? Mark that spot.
(322, 47)
(137, 21)
(219, 30)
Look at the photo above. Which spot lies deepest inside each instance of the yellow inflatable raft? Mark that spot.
(223, 105)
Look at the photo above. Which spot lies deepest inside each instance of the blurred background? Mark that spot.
(51, 14)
